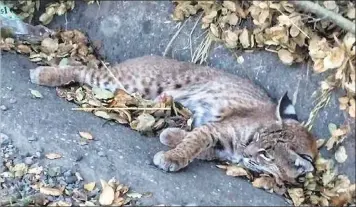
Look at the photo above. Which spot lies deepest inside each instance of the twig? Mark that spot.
(125, 108)
(337, 19)
(120, 84)
(173, 38)
(294, 24)
(191, 33)
(295, 94)
(202, 51)
(66, 23)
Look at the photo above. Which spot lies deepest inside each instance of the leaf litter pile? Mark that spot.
(279, 27)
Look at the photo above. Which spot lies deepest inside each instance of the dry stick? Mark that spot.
(125, 108)
(190, 35)
(314, 8)
(173, 38)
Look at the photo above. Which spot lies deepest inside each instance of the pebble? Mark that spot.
(68, 173)
(3, 108)
(4, 139)
(93, 193)
(50, 198)
(101, 154)
(12, 101)
(54, 171)
(32, 139)
(78, 158)
(71, 179)
(28, 160)
(39, 154)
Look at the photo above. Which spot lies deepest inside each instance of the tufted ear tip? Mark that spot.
(285, 108)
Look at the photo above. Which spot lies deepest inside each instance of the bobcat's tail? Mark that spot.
(57, 76)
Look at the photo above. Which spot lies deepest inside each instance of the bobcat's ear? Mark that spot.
(285, 109)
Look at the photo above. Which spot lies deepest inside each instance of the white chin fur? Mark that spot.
(34, 76)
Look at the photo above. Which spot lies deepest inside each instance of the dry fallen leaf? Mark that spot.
(237, 171)
(285, 56)
(340, 155)
(36, 94)
(264, 182)
(51, 191)
(35, 170)
(86, 135)
(53, 156)
(144, 122)
(107, 195)
(297, 195)
(244, 38)
(100, 93)
(134, 195)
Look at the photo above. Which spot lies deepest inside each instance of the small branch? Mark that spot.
(322, 12)
(126, 108)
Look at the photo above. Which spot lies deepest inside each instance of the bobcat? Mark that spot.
(234, 119)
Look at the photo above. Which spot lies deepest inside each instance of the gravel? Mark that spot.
(3, 108)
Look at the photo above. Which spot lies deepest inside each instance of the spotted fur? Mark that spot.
(234, 119)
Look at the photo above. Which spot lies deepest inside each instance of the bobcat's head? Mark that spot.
(285, 149)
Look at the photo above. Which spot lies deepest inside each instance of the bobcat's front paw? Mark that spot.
(172, 136)
(168, 163)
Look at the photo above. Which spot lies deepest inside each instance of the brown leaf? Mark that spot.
(214, 30)
(244, 38)
(264, 182)
(23, 49)
(107, 195)
(335, 58)
(86, 135)
(35, 170)
(230, 5)
(49, 45)
(51, 191)
(143, 123)
(294, 31)
(236, 171)
(285, 56)
(297, 195)
(53, 156)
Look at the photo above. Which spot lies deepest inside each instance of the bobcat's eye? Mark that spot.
(306, 157)
(265, 155)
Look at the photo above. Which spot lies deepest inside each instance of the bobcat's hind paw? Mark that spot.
(168, 163)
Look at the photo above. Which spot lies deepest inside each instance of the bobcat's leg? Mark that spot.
(171, 137)
(208, 154)
(191, 146)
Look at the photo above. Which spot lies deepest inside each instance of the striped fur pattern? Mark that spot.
(234, 119)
